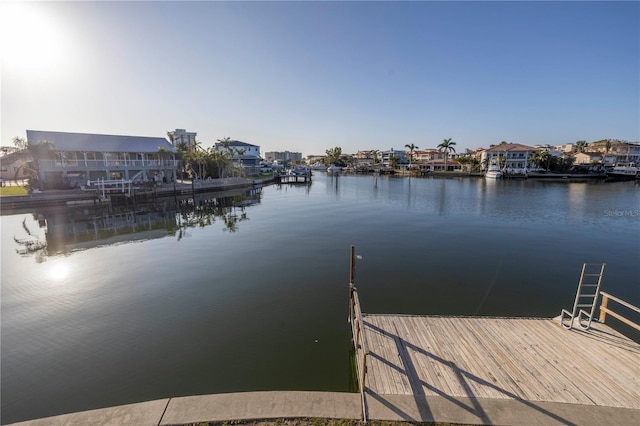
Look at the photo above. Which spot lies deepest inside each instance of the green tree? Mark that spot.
(581, 146)
(393, 161)
(240, 152)
(446, 146)
(466, 161)
(412, 148)
(162, 155)
(535, 158)
(224, 159)
(333, 156)
(40, 151)
(23, 154)
(225, 142)
(374, 153)
(545, 158)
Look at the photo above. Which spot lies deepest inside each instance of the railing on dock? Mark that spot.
(357, 331)
(605, 310)
(103, 186)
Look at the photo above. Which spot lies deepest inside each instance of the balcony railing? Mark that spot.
(106, 163)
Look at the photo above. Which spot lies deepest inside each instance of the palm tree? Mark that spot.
(546, 156)
(446, 146)
(465, 161)
(42, 150)
(333, 156)
(535, 158)
(222, 159)
(412, 148)
(580, 146)
(225, 142)
(240, 152)
(23, 154)
(374, 153)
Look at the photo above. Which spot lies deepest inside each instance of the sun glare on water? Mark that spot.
(59, 272)
(31, 40)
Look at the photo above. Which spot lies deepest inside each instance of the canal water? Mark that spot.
(108, 305)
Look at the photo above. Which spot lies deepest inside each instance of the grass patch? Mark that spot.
(9, 191)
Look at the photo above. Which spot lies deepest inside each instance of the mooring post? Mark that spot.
(352, 274)
(603, 308)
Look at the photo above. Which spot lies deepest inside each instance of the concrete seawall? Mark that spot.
(247, 406)
(218, 407)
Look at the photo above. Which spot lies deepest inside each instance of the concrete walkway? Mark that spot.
(285, 404)
(217, 407)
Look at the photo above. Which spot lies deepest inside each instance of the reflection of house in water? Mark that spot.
(81, 227)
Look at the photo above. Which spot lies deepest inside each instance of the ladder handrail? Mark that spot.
(577, 311)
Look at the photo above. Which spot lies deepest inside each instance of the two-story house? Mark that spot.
(65, 160)
(243, 154)
(513, 156)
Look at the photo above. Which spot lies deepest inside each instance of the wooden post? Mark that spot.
(363, 410)
(603, 312)
(352, 273)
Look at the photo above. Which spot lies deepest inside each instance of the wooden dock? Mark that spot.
(532, 366)
(506, 358)
(294, 178)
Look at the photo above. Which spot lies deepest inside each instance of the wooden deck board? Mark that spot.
(507, 358)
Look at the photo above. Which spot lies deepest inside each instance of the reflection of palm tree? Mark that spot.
(446, 146)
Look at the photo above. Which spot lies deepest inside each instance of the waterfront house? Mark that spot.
(184, 140)
(243, 154)
(617, 151)
(68, 160)
(12, 167)
(512, 156)
(386, 156)
(426, 155)
(439, 166)
(582, 158)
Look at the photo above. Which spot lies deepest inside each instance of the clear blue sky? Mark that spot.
(306, 77)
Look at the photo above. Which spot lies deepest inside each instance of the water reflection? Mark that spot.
(61, 230)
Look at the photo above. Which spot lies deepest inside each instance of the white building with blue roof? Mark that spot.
(70, 159)
(243, 154)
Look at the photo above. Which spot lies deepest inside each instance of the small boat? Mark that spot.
(301, 171)
(625, 171)
(493, 172)
(334, 169)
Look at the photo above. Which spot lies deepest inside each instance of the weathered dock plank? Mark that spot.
(528, 359)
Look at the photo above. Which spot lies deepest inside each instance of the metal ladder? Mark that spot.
(586, 296)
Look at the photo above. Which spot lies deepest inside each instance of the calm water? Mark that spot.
(254, 297)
